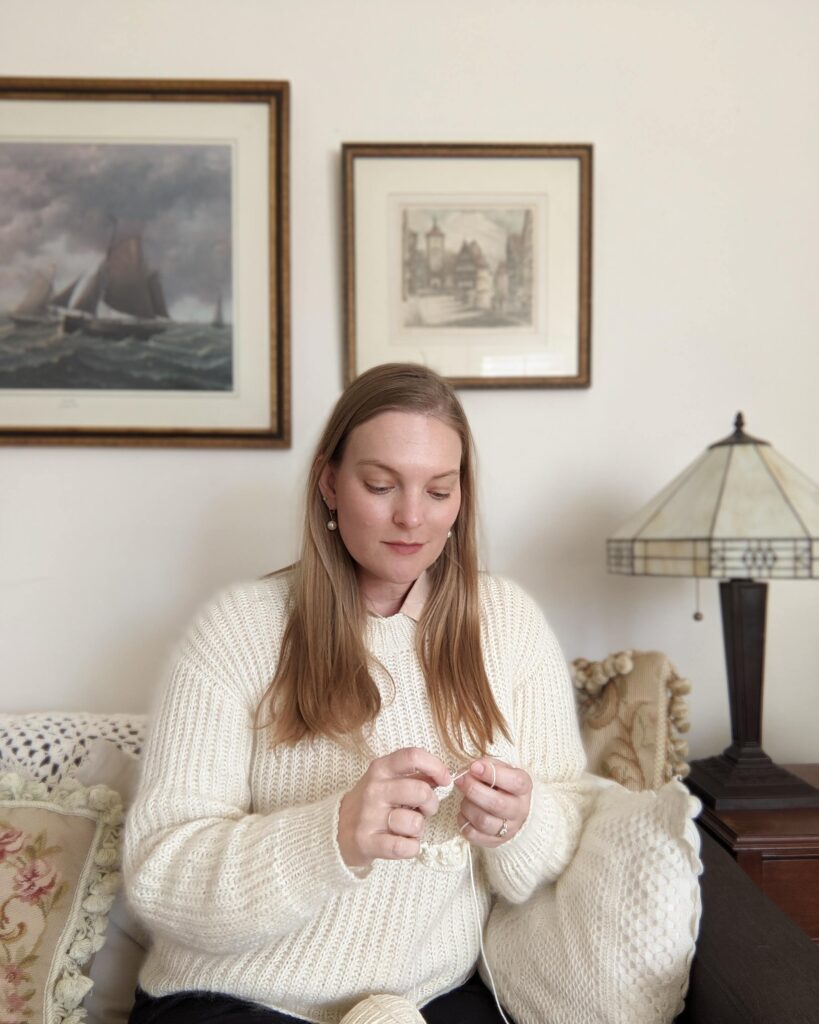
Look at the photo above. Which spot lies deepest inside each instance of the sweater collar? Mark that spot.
(414, 601)
(416, 598)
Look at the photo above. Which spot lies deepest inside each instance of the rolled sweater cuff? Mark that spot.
(540, 851)
(307, 860)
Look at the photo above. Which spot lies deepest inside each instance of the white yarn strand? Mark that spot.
(476, 905)
(442, 792)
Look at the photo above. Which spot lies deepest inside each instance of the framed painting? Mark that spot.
(144, 262)
(472, 259)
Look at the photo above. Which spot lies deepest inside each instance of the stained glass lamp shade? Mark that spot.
(741, 513)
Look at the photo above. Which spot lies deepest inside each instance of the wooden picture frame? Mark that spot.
(474, 259)
(144, 262)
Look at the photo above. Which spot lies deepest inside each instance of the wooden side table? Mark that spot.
(779, 849)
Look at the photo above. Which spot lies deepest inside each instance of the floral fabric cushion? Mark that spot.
(612, 940)
(59, 858)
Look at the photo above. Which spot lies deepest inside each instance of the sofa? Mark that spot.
(752, 964)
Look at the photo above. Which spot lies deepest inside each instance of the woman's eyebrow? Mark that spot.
(389, 469)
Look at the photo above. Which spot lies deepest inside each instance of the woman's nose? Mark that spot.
(407, 511)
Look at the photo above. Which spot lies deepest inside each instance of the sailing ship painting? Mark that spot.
(123, 280)
(40, 305)
(115, 267)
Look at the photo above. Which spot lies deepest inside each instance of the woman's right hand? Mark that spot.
(384, 814)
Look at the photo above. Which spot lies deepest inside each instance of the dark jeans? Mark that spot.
(472, 1003)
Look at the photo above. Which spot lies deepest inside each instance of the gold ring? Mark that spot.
(503, 829)
(389, 826)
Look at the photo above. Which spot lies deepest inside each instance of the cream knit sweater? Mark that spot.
(231, 854)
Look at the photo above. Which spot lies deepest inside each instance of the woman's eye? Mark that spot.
(439, 495)
(377, 488)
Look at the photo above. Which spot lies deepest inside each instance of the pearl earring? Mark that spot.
(449, 535)
(331, 522)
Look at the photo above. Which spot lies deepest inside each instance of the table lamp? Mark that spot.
(741, 513)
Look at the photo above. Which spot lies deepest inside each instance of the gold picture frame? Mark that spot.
(144, 262)
(473, 258)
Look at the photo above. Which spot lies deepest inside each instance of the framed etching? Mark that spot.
(144, 262)
(472, 259)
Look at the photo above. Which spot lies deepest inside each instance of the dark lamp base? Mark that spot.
(754, 783)
(744, 777)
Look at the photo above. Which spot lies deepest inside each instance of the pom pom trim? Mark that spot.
(83, 933)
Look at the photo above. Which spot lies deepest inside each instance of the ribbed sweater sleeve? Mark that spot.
(201, 868)
(548, 745)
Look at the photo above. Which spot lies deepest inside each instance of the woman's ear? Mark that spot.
(327, 485)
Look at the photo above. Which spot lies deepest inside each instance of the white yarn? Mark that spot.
(480, 936)
(383, 1009)
(442, 792)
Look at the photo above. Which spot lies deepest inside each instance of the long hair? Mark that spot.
(323, 683)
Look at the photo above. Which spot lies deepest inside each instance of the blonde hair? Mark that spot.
(323, 684)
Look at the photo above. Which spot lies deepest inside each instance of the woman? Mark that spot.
(288, 848)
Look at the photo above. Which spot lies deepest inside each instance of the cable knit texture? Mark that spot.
(611, 942)
(231, 853)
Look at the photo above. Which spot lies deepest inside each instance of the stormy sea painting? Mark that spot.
(115, 267)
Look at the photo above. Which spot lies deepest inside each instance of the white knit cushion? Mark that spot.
(101, 762)
(611, 942)
(44, 744)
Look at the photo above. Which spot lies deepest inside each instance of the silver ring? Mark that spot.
(503, 829)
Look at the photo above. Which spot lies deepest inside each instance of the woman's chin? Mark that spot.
(395, 571)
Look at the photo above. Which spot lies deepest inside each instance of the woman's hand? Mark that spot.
(385, 813)
(496, 802)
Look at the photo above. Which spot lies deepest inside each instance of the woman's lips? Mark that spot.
(403, 549)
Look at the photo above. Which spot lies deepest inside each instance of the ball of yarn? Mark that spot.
(383, 1009)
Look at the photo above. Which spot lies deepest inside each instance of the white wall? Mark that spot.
(706, 236)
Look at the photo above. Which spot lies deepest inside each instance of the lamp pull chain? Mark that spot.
(697, 616)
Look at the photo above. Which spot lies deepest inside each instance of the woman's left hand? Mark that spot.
(492, 814)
